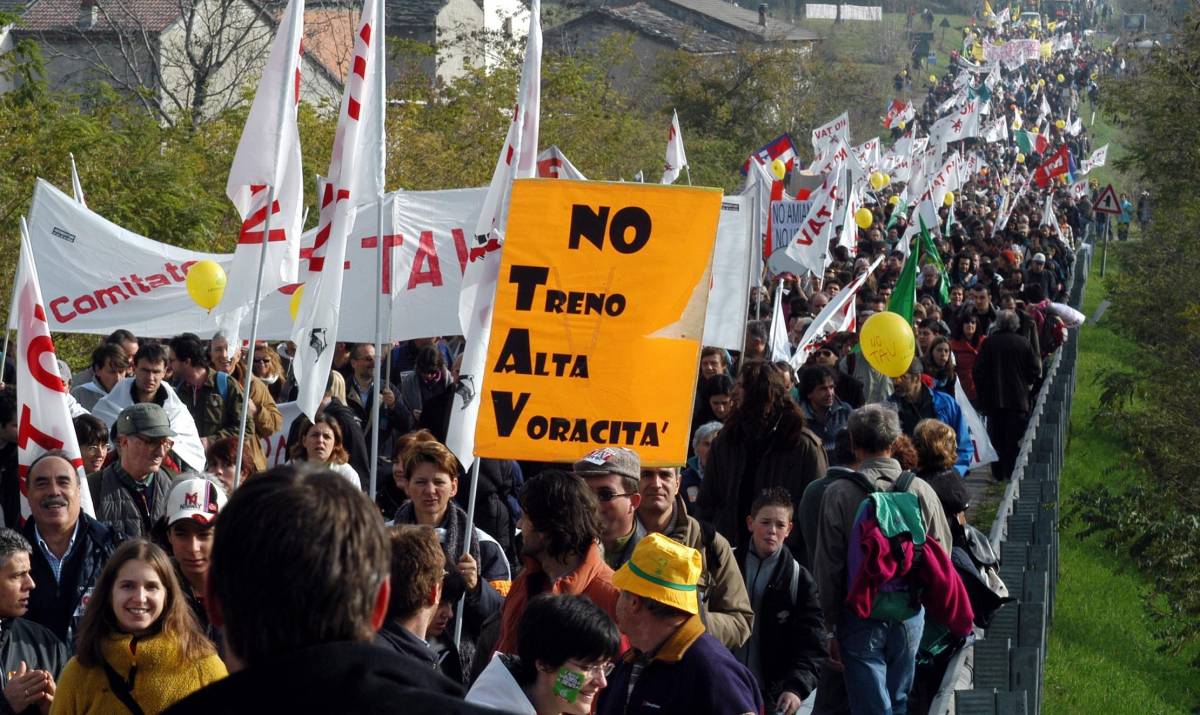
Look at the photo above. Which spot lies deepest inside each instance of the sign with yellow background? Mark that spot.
(599, 312)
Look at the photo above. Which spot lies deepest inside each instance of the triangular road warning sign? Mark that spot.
(1106, 202)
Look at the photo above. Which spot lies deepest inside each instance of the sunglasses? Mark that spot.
(607, 495)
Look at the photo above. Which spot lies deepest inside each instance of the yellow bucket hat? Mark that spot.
(663, 570)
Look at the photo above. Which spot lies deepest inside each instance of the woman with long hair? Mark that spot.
(321, 447)
(965, 343)
(764, 443)
(139, 648)
(939, 365)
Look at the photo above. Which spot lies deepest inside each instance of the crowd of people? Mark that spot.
(816, 540)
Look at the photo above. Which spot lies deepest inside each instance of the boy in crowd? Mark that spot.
(787, 643)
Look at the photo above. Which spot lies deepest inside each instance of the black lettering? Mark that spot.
(650, 436)
(575, 302)
(598, 428)
(561, 361)
(527, 278)
(615, 304)
(579, 433)
(558, 428)
(536, 427)
(631, 429)
(580, 368)
(514, 356)
(633, 217)
(506, 412)
(555, 300)
(589, 224)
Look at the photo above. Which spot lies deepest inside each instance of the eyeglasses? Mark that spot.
(155, 443)
(261, 361)
(596, 669)
(607, 495)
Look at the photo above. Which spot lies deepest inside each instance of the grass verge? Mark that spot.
(1102, 656)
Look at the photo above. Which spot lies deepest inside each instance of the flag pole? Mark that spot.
(262, 264)
(458, 619)
(12, 299)
(284, 97)
(381, 98)
(376, 432)
(688, 170)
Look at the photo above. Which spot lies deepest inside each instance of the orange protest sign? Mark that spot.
(599, 313)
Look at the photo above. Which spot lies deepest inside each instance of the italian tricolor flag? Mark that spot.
(1029, 142)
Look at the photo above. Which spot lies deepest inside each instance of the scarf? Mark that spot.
(453, 531)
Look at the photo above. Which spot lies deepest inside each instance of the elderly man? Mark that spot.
(674, 666)
(130, 494)
(31, 656)
(1005, 372)
(70, 548)
(148, 386)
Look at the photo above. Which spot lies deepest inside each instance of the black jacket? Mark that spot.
(398, 639)
(343, 677)
(1005, 372)
(58, 605)
(791, 637)
(26, 641)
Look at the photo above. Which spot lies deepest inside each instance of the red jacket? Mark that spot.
(964, 364)
(943, 593)
(592, 578)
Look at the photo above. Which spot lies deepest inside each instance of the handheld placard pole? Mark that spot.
(458, 620)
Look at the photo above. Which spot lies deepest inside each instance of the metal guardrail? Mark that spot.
(1002, 671)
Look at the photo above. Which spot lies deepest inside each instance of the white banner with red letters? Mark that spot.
(43, 415)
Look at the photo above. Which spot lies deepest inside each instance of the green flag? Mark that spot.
(904, 295)
(933, 256)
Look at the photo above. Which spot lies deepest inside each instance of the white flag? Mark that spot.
(355, 177)
(997, 131)
(982, 450)
(1048, 211)
(76, 187)
(823, 137)
(553, 164)
(837, 316)
(962, 124)
(676, 158)
(781, 347)
(268, 161)
(809, 247)
(43, 411)
(476, 302)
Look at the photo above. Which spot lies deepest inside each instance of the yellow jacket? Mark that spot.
(162, 678)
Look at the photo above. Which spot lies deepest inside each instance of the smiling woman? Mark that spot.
(140, 648)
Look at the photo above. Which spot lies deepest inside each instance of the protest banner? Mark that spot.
(598, 318)
(729, 297)
(275, 446)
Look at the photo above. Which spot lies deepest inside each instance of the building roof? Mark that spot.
(329, 38)
(640, 18)
(152, 15)
(746, 20)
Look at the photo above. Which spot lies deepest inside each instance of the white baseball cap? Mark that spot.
(198, 499)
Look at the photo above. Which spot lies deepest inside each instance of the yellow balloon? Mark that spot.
(206, 283)
(1020, 158)
(1005, 181)
(893, 200)
(1061, 78)
(902, 126)
(779, 169)
(949, 198)
(1017, 123)
(864, 218)
(1036, 129)
(1060, 123)
(932, 79)
(888, 343)
(1041, 82)
(294, 305)
(879, 180)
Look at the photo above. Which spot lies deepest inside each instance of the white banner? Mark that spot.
(275, 446)
(982, 451)
(729, 297)
(99, 277)
(819, 11)
(826, 135)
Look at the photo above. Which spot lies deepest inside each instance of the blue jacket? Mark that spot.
(58, 605)
(946, 409)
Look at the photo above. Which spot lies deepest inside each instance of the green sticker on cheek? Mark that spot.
(568, 683)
